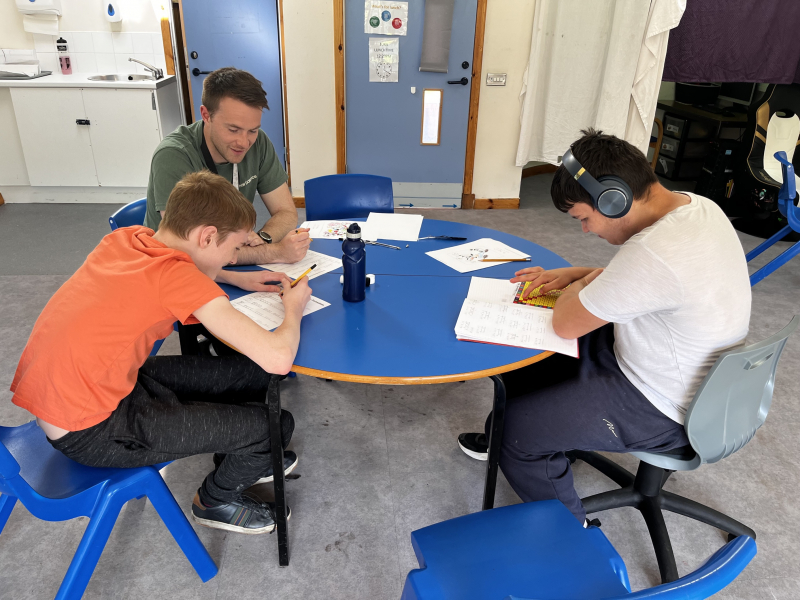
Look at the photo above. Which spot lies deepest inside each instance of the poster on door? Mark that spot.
(384, 59)
(385, 18)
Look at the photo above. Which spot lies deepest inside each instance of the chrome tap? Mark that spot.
(157, 73)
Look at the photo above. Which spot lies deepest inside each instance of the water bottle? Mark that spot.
(354, 264)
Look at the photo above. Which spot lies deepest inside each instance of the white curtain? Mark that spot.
(594, 64)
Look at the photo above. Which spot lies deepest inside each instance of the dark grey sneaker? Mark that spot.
(248, 514)
(474, 445)
(289, 464)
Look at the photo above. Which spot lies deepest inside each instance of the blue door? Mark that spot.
(384, 119)
(242, 34)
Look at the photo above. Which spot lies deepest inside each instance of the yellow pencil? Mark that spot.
(310, 239)
(506, 260)
(303, 275)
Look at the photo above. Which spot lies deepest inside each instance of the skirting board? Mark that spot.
(487, 203)
(299, 201)
(26, 194)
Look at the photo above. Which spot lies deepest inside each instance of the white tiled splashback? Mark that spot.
(102, 51)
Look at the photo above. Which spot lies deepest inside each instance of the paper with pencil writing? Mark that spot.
(266, 308)
(489, 315)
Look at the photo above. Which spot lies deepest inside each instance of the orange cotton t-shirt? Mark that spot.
(84, 353)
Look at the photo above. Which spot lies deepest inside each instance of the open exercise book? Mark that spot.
(489, 315)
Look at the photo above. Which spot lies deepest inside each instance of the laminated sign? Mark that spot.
(385, 18)
(384, 59)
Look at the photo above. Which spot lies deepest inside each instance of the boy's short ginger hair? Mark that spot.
(202, 199)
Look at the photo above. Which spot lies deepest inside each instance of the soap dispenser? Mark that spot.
(112, 11)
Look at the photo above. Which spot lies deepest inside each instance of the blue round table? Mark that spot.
(402, 333)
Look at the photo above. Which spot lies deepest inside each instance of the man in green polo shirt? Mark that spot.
(229, 141)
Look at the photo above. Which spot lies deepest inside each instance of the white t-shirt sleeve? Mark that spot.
(636, 282)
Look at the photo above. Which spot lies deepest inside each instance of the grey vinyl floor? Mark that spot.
(378, 462)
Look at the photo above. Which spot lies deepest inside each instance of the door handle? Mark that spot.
(197, 72)
(82, 121)
(462, 81)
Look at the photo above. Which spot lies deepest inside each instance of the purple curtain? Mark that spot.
(736, 40)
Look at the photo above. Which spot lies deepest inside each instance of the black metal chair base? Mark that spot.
(644, 492)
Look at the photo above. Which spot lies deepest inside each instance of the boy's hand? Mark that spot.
(293, 246)
(295, 298)
(553, 279)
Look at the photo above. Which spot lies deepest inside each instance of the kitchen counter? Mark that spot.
(81, 80)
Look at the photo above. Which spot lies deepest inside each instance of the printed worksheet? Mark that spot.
(511, 325)
(325, 264)
(266, 308)
(467, 257)
(499, 291)
(334, 230)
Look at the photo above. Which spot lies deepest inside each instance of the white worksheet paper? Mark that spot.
(499, 291)
(511, 325)
(467, 257)
(394, 226)
(334, 230)
(266, 308)
(325, 264)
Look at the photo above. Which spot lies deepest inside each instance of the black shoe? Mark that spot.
(247, 515)
(474, 445)
(289, 463)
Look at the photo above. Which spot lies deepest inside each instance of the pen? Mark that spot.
(442, 237)
(506, 260)
(303, 275)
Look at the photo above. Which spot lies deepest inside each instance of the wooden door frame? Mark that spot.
(467, 197)
(282, 42)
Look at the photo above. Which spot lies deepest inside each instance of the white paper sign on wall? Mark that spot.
(385, 18)
(384, 59)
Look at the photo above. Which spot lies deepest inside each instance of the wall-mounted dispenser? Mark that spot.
(40, 16)
(111, 10)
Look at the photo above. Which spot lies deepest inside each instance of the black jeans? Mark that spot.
(187, 405)
(563, 403)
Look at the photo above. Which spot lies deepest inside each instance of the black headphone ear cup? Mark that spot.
(611, 181)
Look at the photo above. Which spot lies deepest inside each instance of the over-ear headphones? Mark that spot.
(612, 197)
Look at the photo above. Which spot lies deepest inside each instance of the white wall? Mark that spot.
(310, 89)
(507, 46)
(79, 15)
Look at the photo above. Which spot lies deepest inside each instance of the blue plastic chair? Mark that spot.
(133, 214)
(347, 196)
(54, 488)
(130, 214)
(787, 197)
(540, 551)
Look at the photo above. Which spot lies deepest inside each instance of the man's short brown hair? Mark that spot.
(229, 82)
(602, 154)
(203, 198)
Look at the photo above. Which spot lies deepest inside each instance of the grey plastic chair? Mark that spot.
(730, 405)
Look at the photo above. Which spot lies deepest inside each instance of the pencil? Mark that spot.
(506, 260)
(303, 275)
(310, 239)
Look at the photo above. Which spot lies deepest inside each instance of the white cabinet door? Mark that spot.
(57, 150)
(124, 134)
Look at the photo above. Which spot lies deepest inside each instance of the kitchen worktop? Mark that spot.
(81, 80)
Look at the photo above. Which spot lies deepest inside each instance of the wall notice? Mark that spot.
(385, 18)
(384, 59)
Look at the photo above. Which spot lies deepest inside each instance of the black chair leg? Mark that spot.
(622, 477)
(654, 519)
(704, 514)
(613, 499)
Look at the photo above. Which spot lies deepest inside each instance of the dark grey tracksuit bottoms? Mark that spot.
(563, 403)
(187, 405)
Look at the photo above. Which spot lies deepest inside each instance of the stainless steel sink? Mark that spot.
(120, 78)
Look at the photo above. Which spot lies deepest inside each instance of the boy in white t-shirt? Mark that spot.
(649, 327)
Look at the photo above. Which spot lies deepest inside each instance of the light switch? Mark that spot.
(495, 79)
(413, 90)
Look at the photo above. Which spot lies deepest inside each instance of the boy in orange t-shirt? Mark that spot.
(86, 376)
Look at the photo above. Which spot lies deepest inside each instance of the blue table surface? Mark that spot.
(405, 327)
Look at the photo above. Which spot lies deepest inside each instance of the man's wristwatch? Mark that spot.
(265, 236)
